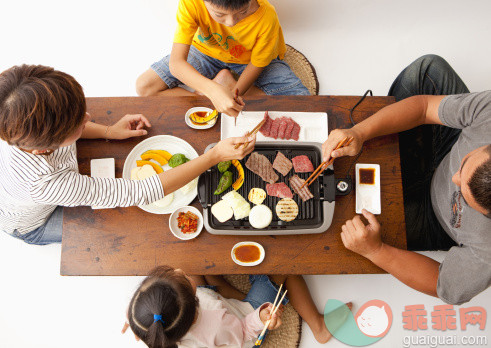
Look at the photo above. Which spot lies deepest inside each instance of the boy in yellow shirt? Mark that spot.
(219, 36)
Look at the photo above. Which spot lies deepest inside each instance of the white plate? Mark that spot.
(313, 125)
(204, 126)
(368, 196)
(173, 145)
(175, 229)
(240, 263)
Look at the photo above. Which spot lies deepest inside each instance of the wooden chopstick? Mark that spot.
(318, 170)
(253, 132)
(236, 98)
(259, 340)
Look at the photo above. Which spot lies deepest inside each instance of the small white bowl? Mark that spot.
(176, 231)
(205, 125)
(255, 263)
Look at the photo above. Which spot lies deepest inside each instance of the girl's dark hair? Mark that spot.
(40, 107)
(229, 4)
(169, 294)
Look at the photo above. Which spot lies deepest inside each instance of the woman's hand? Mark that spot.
(336, 136)
(265, 315)
(225, 149)
(224, 101)
(128, 126)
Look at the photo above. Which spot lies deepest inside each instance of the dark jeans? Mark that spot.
(423, 148)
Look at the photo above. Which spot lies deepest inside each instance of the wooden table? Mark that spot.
(129, 241)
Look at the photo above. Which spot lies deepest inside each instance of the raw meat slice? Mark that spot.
(273, 133)
(302, 164)
(282, 164)
(304, 193)
(260, 165)
(266, 128)
(279, 189)
(295, 132)
(282, 128)
(289, 128)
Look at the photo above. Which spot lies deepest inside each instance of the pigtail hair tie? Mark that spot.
(158, 317)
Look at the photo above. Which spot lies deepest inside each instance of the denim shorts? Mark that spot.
(276, 79)
(262, 290)
(48, 233)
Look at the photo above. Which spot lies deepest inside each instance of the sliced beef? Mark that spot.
(274, 128)
(282, 164)
(295, 132)
(260, 165)
(304, 193)
(279, 190)
(302, 164)
(282, 127)
(289, 128)
(266, 128)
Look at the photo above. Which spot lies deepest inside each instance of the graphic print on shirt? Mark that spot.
(457, 208)
(215, 39)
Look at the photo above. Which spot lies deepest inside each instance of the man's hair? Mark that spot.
(229, 4)
(39, 107)
(480, 183)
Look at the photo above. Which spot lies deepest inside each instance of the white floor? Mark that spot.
(354, 45)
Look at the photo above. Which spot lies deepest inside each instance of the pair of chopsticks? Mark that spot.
(253, 132)
(236, 98)
(318, 171)
(259, 340)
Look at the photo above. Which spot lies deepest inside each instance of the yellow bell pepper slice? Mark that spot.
(155, 166)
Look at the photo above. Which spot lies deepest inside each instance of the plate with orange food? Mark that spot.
(158, 154)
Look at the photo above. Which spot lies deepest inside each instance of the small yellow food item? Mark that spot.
(240, 180)
(196, 116)
(257, 195)
(155, 166)
(162, 153)
(287, 209)
(154, 156)
(144, 172)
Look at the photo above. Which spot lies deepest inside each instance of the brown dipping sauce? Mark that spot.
(247, 253)
(367, 176)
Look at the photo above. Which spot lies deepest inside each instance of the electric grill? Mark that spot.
(314, 215)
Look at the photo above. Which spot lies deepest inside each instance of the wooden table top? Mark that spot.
(129, 241)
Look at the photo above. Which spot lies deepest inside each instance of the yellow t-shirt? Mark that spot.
(257, 39)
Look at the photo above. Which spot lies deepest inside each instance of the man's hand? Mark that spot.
(128, 126)
(335, 138)
(361, 239)
(265, 315)
(224, 100)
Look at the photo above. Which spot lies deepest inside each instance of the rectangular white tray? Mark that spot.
(368, 196)
(313, 125)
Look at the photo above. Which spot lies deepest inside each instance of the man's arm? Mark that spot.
(397, 117)
(416, 271)
(221, 97)
(247, 78)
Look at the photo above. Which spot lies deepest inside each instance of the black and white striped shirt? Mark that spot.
(32, 186)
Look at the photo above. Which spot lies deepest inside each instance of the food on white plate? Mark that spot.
(260, 216)
(222, 211)
(279, 189)
(187, 222)
(189, 186)
(302, 164)
(238, 203)
(257, 195)
(260, 165)
(157, 168)
(133, 174)
(164, 202)
(304, 193)
(282, 164)
(177, 159)
(281, 127)
(287, 209)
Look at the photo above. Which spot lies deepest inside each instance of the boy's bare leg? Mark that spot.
(225, 78)
(149, 83)
(224, 288)
(301, 300)
(198, 279)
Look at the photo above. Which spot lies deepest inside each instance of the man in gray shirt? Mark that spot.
(445, 146)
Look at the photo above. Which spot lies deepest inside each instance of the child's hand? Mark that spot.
(125, 327)
(128, 126)
(265, 315)
(224, 100)
(225, 149)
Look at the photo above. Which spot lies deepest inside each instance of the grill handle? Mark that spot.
(328, 186)
(202, 196)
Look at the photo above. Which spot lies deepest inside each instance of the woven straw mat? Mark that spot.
(289, 333)
(303, 69)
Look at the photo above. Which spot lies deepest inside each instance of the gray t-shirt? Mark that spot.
(466, 270)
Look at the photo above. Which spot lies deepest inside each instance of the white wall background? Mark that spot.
(354, 45)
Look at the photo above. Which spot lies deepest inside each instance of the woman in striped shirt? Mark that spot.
(42, 115)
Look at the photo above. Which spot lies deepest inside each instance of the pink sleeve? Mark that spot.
(252, 324)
